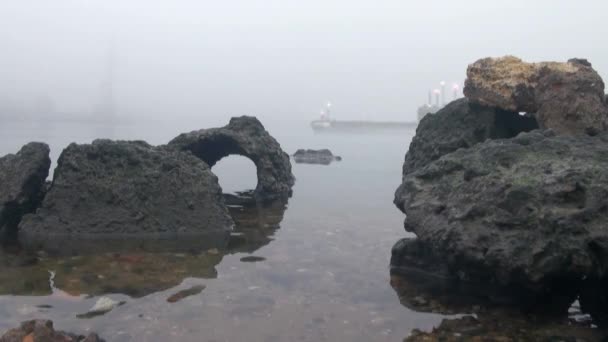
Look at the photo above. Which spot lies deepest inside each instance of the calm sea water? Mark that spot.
(312, 269)
(322, 272)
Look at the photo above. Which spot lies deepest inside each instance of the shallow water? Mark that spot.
(312, 269)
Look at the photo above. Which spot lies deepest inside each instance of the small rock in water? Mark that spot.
(213, 251)
(194, 290)
(419, 300)
(102, 306)
(252, 258)
(324, 156)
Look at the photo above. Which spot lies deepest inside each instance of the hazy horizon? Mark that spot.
(282, 60)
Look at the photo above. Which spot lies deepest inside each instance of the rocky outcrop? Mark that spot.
(528, 212)
(42, 330)
(461, 124)
(323, 157)
(129, 188)
(244, 136)
(565, 97)
(22, 178)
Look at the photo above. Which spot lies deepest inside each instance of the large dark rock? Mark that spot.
(528, 212)
(461, 124)
(565, 97)
(22, 178)
(244, 136)
(43, 331)
(129, 188)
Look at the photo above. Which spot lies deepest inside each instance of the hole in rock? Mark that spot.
(236, 174)
(510, 124)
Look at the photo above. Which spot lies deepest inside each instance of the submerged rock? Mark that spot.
(244, 136)
(129, 188)
(256, 222)
(506, 327)
(101, 307)
(324, 157)
(194, 290)
(565, 97)
(461, 124)
(22, 180)
(528, 212)
(42, 330)
(252, 258)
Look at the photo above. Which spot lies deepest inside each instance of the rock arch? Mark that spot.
(244, 136)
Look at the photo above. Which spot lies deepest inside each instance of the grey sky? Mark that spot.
(277, 58)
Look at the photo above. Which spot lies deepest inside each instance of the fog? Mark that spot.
(277, 59)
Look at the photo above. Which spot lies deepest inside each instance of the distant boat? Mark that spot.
(325, 124)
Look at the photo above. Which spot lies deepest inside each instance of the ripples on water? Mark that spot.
(312, 269)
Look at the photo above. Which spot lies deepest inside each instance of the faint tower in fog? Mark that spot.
(456, 89)
(437, 93)
(106, 109)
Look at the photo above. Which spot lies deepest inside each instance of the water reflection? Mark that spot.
(256, 221)
(134, 268)
(480, 316)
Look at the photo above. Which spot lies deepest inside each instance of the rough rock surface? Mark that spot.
(461, 124)
(529, 212)
(22, 178)
(127, 188)
(565, 97)
(42, 330)
(507, 327)
(324, 157)
(244, 136)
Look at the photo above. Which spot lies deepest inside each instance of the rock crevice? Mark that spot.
(22, 184)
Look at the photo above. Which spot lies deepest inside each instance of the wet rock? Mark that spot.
(506, 327)
(323, 157)
(194, 290)
(527, 212)
(565, 97)
(252, 258)
(129, 188)
(22, 179)
(244, 136)
(43, 331)
(461, 124)
(594, 300)
(101, 307)
(423, 283)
